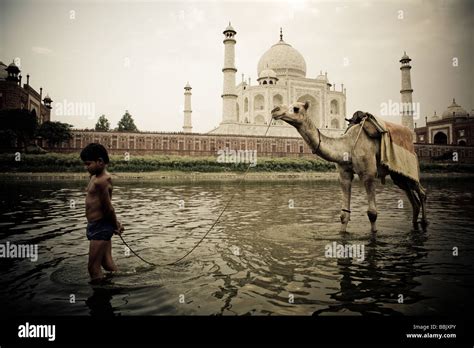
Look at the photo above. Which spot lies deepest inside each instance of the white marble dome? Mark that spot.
(282, 57)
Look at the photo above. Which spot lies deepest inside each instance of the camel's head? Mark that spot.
(293, 114)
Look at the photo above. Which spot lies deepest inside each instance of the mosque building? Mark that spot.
(15, 96)
(455, 126)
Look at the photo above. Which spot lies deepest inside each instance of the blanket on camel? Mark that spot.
(397, 151)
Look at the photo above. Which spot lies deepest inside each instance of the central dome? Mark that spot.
(282, 57)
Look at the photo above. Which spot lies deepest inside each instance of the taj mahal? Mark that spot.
(281, 80)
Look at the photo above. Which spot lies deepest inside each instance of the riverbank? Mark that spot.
(55, 166)
(71, 163)
(178, 176)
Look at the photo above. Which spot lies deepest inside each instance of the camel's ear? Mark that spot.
(306, 105)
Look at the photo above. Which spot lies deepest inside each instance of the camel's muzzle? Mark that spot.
(275, 110)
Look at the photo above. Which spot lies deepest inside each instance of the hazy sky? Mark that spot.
(138, 55)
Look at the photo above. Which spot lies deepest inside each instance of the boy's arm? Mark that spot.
(108, 210)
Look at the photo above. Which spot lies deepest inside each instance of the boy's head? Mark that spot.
(95, 158)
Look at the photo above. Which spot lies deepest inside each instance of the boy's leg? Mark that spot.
(107, 262)
(97, 250)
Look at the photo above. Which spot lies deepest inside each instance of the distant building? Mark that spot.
(184, 144)
(195, 144)
(454, 127)
(14, 96)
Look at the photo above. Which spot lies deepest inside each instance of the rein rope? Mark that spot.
(358, 134)
(208, 231)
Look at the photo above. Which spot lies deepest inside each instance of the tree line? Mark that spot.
(19, 128)
(126, 124)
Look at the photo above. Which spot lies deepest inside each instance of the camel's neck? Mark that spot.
(331, 149)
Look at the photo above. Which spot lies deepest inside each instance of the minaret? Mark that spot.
(406, 92)
(187, 127)
(229, 95)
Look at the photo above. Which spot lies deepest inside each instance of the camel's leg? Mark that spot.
(369, 183)
(345, 178)
(415, 203)
(422, 195)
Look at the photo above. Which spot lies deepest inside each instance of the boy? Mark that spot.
(101, 218)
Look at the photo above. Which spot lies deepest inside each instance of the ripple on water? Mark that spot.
(259, 255)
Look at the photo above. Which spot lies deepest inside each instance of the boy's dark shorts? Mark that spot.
(100, 230)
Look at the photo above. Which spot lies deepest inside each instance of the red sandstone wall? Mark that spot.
(208, 145)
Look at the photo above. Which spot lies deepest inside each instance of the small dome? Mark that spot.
(47, 99)
(322, 77)
(13, 68)
(405, 57)
(434, 117)
(229, 28)
(267, 73)
(454, 110)
(188, 86)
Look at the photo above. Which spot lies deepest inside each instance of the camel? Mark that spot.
(354, 153)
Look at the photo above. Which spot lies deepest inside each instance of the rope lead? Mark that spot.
(210, 229)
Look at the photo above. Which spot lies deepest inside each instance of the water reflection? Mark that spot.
(99, 302)
(262, 258)
(373, 288)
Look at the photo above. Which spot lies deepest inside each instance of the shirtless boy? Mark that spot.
(102, 222)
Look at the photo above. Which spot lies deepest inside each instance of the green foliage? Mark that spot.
(55, 132)
(7, 138)
(126, 124)
(58, 163)
(19, 124)
(103, 124)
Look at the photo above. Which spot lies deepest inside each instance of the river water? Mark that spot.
(267, 255)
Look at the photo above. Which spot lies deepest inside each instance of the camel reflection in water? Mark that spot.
(372, 289)
(281, 252)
